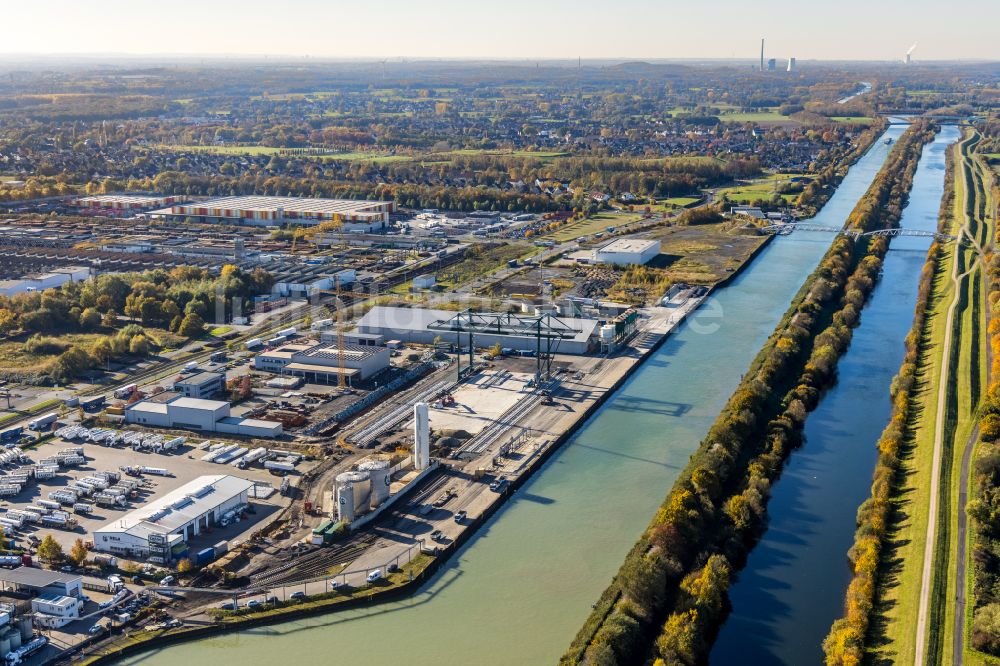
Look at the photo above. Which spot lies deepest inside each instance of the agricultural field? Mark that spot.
(853, 120)
(357, 156)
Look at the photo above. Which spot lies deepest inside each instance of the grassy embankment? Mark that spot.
(891, 634)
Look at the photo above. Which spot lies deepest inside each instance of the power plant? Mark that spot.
(908, 58)
(791, 65)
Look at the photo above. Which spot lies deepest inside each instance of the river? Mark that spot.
(792, 588)
(517, 592)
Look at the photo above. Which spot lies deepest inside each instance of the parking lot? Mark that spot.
(184, 464)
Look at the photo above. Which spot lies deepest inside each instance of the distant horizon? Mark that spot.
(410, 59)
(854, 30)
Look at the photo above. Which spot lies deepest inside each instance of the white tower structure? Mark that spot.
(421, 436)
(791, 64)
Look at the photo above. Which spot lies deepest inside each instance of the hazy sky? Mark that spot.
(846, 29)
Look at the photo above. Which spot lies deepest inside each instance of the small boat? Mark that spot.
(888, 141)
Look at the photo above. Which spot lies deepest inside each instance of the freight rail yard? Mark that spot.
(329, 439)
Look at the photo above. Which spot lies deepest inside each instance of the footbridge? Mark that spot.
(788, 227)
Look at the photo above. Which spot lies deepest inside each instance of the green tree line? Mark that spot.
(668, 598)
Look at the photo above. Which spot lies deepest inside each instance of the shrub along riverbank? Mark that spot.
(669, 597)
(845, 644)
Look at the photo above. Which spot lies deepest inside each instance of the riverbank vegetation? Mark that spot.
(884, 596)
(846, 641)
(669, 597)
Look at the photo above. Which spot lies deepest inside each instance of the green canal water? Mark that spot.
(517, 592)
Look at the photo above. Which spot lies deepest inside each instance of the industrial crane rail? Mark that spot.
(372, 431)
(507, 420)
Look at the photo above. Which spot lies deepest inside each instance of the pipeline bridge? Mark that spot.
(786, 228)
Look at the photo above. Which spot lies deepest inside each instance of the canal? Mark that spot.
(793, 586)
(517, 592)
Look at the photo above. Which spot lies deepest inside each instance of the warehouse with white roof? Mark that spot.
(264, 210)
(163, 527)
(170, 410)
(415, 325)
(626, 251)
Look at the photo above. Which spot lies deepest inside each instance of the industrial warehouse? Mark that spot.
(262, 211)
(320, 363)
(530, 333)
(162, 528)
(171, 410)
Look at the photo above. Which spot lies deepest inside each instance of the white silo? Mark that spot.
(362, 486)
(378, 472)
(421, 436)
(343, 486)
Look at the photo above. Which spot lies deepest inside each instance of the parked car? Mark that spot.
(96, 629)
(168, 580)
(374, 575)
(461, 516)
(437, 535)
(254, 603)
(228, 606)
(297, 595)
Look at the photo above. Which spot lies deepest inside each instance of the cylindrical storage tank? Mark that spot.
(14, 636)
(343, 486)
(26, 630)
(362, 486)
(4, 646)
(378, 472)
(607, 333)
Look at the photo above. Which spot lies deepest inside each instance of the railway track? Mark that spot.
(313, 564)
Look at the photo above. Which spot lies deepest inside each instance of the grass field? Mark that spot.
(749, 193)
(853, 120)
(900, 588)
(592, 225)
(358, 156)
(540, 154)
(755, 117)
(680, 202)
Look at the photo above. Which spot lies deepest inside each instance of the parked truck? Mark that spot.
(126, 391)
(43, 422)
(156, 471)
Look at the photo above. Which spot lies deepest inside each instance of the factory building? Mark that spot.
(355, 215)
(626, 251)
(170, 410)
(413, 325)
(42, 281)
(54, 611)
(34, 581)
(125, 202)
(320, 363)
(201, 385)
(162, 528)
